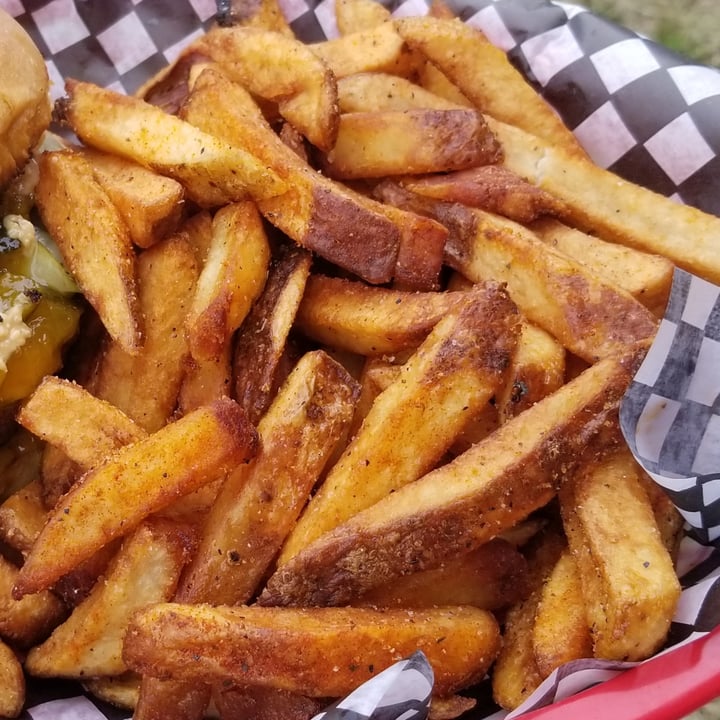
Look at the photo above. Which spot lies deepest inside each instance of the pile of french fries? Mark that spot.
(360, 316)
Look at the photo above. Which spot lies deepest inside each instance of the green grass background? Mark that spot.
(690, 27)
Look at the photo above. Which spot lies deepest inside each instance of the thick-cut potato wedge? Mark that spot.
(150, 204)
(145, 386)
(94, 242)
(515, 674)
(30, 620)
(232, 277)
(485, 76)
(12, 683)
(490, 187)
(601, 203)
(260, 344)
(459, 367)
(279, 68)
(538, 369)
(366, 320)
(89, 642)
(22, 517)
(204, 381)
(466, 502)
(320, 652)
(139, 479)
(212, 171)
(315, 212)
(590, 316)
(171, 699)
(492, 577)
(85, 428)
(379, 92)
(260, 501)
(20, 459)
(121, 691)
(409, 142)
(263, 14)
(669, 520)
(432, 79)
(560, 632)
(646, 277)
(450, 707)
(262, 703)
(627, 575)
(377, 49)
(59, 473)
(356, 15)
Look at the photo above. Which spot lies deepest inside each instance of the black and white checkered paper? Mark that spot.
(639, 110)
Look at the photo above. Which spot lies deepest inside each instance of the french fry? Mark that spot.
(151, 205)
(646, 277)
(232, 277)
(12, 683)
(319, 652)
(280, 68)
(261, 703)
(102, 428)
(492, 577)
(490, 187)
(457, 369)
(89, 642)
(412, 142)
(603, 204)
(59, 473)
(260, 344)
(560, 632)
(22, 517)
(29, 620)
(357, 15)
(450, 707)
(20, 461)
(377, 92)
(121, 690)
(626, 573)
(204, 380)
(377, 49)
(145, 386)
(138, 480)
(264, 14)
(94, 241)
(212, 172)
(464, 503)
(484, 74)
(369, 321)
(314, 209)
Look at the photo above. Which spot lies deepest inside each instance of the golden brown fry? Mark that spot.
(326, 652)
(603, 204)
(145, 387)
(212, 172)
(94, 242)
(356, 15)
(89, 642)
(150, 204)
(492, 577)
(30, 620)
(366, 320)
(399, 142)
(280, 68)
(232, 277)
(378, 92)
(377, 49)
(466, 502)
(12, 683)
(59, 473)
(456, 371)
(485, 75)
(22, 517)
(314, 212)
(263, 14)
(261, 342)
(262, 703)
(120, 691)
(85, 428)
(204, 381)
(627, 576)
(20, 460)
(136, 481)
(560, 632)
(538, 369)
(449, 707)
(260, 502)
(490, 187)
(646, 277)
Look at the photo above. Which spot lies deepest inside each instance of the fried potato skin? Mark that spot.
(320, 652)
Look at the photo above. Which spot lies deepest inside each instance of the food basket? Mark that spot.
(639, 110)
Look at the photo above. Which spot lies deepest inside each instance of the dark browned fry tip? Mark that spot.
(234, 420)
(60, 110)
